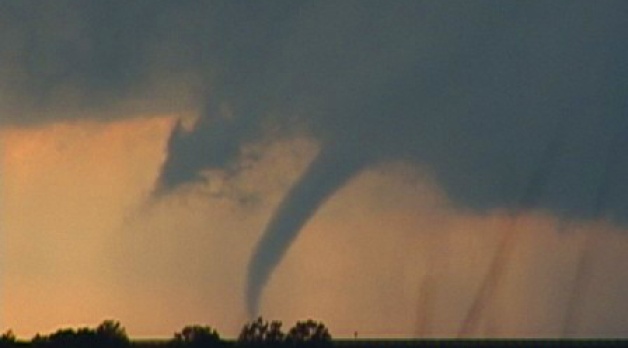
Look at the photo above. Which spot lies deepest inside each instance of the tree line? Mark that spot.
(111, 334)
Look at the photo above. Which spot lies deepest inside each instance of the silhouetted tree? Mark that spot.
(197, 336)
(66, 338)
(38, 340)
(260, 333)
(309, 334)
(8, 339)
(109, 334)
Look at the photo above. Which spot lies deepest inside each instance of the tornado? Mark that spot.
(332, 168)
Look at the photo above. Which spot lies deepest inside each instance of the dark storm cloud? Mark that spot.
(472, 91)
(72, 59)
(476, 91)
(509, 104)
(58, 57)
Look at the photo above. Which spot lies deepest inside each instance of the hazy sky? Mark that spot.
(414, 168)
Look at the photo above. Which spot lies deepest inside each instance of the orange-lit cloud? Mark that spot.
(65, 189)
(386, 256)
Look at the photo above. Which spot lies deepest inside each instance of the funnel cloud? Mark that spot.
(328, 172)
